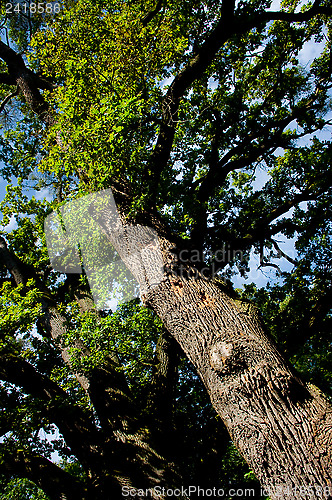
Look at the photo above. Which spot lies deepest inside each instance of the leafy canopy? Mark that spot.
(239, 157)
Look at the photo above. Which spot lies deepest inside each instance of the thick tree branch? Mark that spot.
(108, 388)
(181, 83)
(227, 9)
(7, 79)
(150, 15)
(55, 482)
(96, 450)
(162, 390)
(217, 176)
(262, 229)
(247, 151)
(78, 430)
(290, 17)
(53, 322)
(6, 420)
(283, 208)
(7, 99)
(106, 384)
(112, 398)
(241, 156)
(27, 81)
(228, 26)
(312, 321)
(20, 272)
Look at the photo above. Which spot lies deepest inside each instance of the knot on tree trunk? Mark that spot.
(225, 357)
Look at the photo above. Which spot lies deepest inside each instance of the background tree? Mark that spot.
(195, 115)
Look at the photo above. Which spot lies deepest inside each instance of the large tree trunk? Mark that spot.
(280, 426)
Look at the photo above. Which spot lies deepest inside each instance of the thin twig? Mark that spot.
(8, 98)
(270, 264)
(283, 254)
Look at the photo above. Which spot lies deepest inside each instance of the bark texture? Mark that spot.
(282, 427)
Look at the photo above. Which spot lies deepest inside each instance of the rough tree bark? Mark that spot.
(282, 427)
